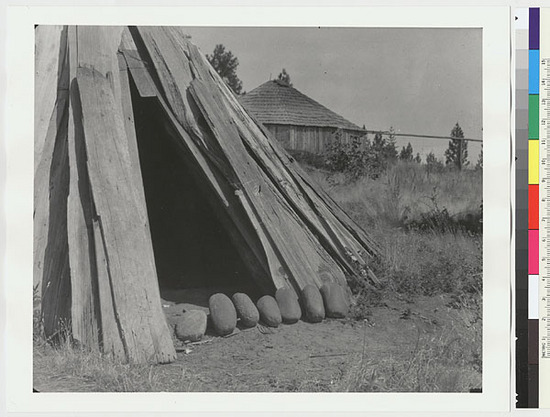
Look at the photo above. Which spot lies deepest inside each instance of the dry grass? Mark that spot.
(441, 258)
(438, 363)
(406, 193)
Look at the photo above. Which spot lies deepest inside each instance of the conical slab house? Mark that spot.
(297, 121)
(144, 163)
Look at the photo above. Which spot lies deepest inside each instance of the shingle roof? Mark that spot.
(275, 102)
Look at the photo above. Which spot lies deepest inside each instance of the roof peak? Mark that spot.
(277, 102)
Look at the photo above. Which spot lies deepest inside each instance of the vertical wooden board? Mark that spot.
(98, 46)
(129, 127)
(51, 102)
(123, 222)
(50, 42)
(82, 260)
(41, 216)
(56, 288)
(110, 338)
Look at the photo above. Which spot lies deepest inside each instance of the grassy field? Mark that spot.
(421, 332)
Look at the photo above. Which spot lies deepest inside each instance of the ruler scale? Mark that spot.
(543, 108)
(532, 130)
(536, 183)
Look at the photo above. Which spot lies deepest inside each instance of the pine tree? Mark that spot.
(417, 158)
(390, 149)
(406, 153)
(457, 152)
(226, 65)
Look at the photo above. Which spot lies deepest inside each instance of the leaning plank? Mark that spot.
(334, 240)
(123, 226)
(168, 57)
(352, 254)
(305, 260)
(160, 47)
(82, 260)
(56, 288)
(213, 170)
(50, 46)
(51, 103)
(111, 342)
(224, 202)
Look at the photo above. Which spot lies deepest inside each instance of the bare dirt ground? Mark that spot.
(403, 345)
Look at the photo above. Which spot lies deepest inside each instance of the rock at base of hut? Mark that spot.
(269, 311)
(222, 314)
(334, 298)
(246, 310)
(191, 325)
(312, 303)
(288, 305)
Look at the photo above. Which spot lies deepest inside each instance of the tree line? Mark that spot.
(366, 157)
(362, 156)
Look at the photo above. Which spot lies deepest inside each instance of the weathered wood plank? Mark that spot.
(335, 237)
(305, 260)
(51, 101)
(235, 221)
(50, 47)
(167, 56)
(111, 341)
(140, 74)
(56, 288)
(211, 171)
(122, 219)
(207, 145)
(82, 260)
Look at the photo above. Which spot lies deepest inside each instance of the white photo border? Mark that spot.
(495, 23)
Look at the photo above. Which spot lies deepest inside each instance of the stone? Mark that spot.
(312, 303)
(191, 325)
(247, 312)
(222, 314)
(269, 311)
(287, 300)
(334, 298)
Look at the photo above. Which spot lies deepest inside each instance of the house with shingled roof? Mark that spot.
(297, 121)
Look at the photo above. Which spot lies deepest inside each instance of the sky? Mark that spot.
(420, 81)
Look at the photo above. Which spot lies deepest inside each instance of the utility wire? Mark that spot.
(412, 135)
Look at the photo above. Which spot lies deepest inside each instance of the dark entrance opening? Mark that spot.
(192, 249)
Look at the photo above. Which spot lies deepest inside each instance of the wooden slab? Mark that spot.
(212, 171)
(56, 286)
(82, 260)
(304, 258)
(50, 48)
(122, 218)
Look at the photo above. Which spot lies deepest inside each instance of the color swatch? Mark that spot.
(525, 194)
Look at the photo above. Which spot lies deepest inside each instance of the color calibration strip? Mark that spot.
(522, 203)
(542, 108)
(523, 220)
(534, 160)
(532, 98)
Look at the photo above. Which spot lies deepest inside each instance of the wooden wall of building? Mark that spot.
(310, 139)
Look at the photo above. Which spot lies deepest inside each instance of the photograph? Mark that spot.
(259, 209)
